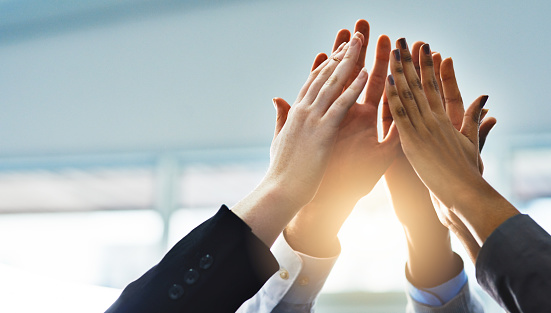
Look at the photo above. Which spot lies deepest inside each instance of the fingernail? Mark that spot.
(274, 102)
(354, 40)
(391, 79)
(426, 49)
(483, 101)
(403, 43)
(363, 73)
(396, 55)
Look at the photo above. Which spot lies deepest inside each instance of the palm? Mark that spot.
(358, 159)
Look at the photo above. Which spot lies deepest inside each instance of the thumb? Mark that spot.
(282, 110)
(471, 119)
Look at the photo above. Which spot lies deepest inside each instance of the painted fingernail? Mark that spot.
(391, 79)
(355, 40)
(396, 55)
(426, 49)
(403, 43)
(483, 101)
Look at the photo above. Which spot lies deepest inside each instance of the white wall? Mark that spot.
(203, 76)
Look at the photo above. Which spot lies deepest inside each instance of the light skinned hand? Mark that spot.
(357, 161)
(445, 159)
(301, 149)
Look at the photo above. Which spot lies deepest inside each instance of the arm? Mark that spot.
(514, 262)
(450, 165)
(357, 162)
(206, 263)
(432, 267)
(310, 243)
(302, 148)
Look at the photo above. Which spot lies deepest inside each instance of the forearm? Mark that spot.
(482, 209)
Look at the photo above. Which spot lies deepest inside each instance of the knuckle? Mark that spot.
(393, 93)
(407, 95)
(401, 112)
(453, 99)
(332, 80)
(406, 57)
(417, 83)
(435, 85)
(428, 62)
(399, 69)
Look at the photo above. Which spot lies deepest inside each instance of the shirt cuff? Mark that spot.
(439, 295)
(301, 276)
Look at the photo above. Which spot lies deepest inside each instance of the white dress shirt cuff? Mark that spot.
(303, 275)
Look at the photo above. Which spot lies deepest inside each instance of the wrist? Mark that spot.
(267, 210)
(313, 230)
(482, 209)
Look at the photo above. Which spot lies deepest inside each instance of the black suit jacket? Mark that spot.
(514, 266)
(215, 268)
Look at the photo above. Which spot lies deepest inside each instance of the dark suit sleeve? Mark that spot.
(514, 266)
(216, 267)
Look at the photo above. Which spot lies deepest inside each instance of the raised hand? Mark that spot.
(356, 164)
(445, 159)
(302, 147)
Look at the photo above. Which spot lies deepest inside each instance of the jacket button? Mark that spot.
(175, 292)
(206, 261)
(191, 276)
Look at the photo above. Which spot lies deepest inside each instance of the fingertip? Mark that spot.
(483, 101)
(391, 80)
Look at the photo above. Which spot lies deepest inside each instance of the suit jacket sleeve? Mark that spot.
(514, 266)
(216, 267)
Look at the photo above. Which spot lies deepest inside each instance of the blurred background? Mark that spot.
(126, 123)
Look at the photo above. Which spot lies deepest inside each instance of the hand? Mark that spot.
(446, 159)
(301, 150)
(431, 260)
(356, 164)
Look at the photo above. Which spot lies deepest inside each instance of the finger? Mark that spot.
(452, 95)
(437, 59)
(314, 74)
(362, 26)
(485, 128)
(342, 36)
(376, 82)
(408, 101)
(391, 140)
(386, 115)
(338, 109)
(282, 110)
(483, 114)
(320, 58)
(331, 84)
(415, 56)
(429, 81)
(410, 73)
(399, 113)
(469, 127)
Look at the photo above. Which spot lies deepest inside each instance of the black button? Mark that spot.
(176, 292)
(191, 276)
(206, 261)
